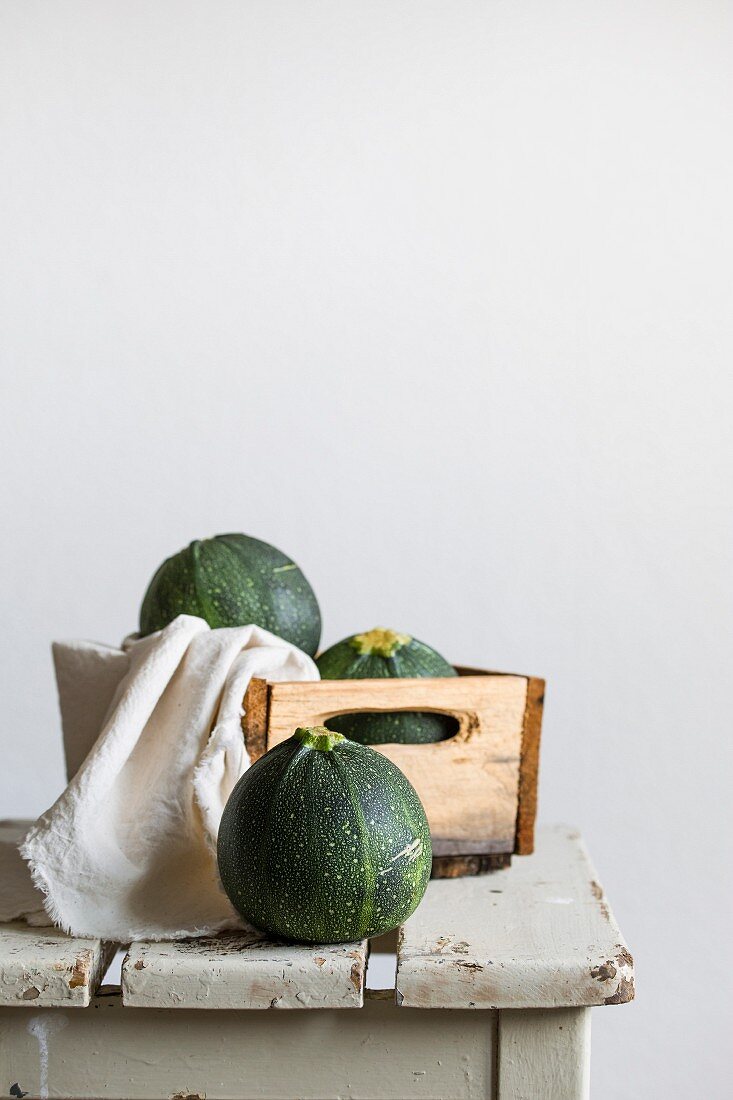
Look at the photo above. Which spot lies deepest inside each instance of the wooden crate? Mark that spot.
(479, 788)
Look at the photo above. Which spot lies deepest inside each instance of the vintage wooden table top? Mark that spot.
(539, 934)
(533, 946)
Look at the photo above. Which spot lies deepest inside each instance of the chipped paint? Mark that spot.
(444, 944)
(50, 970)
(574, 956)
(243, 970)
(623, 994)
(604, 973)
(598, 894)
(82, 968)
(624, 958)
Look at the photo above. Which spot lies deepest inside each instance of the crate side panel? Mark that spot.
(529, 766)
(468, 784)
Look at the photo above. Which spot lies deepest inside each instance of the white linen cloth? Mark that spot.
(129, 849)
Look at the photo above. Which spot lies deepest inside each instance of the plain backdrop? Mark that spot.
(435, 296)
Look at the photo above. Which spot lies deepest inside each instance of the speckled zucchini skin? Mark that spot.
(410, 659)
(234, 580)
(324, 846)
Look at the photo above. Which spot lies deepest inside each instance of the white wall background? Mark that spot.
(437, 297)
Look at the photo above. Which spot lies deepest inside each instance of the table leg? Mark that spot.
(544, 1054)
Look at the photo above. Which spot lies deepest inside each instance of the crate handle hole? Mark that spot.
(413, 727)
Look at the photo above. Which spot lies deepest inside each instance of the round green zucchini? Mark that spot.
(234, 580)
(324, 841)
(384, 653)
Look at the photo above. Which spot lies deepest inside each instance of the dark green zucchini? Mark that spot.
(234, 580)
(378, 654)
(324, 841)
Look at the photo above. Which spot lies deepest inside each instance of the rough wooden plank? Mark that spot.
(43, 967)
(537, 935)
(458, 866)
(256, 709)
(243, 970)
(153, 1054)
(482, 760)
(529, 767)
(544, 1053)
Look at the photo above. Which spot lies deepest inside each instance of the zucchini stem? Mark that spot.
(318, 737)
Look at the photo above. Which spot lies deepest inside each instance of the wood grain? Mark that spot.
(537, 935)
(256, 707)
(458, 866)
(529, 766)
(481, 761)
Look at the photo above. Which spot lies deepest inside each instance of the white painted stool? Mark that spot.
(494, 982)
